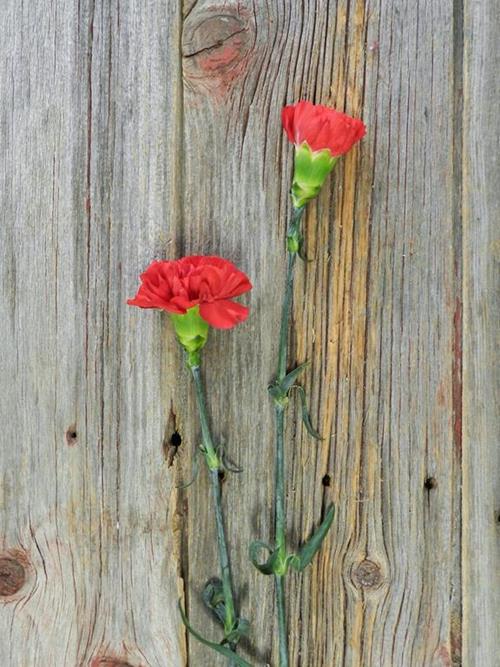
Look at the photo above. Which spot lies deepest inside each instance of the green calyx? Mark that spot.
(192, 333)
(310, 172)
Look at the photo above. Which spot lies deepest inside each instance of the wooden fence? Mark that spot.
(141, 129)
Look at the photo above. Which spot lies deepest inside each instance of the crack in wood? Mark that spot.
(217, 45)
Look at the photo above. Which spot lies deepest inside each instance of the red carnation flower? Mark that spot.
(207, 282)
(321, 127)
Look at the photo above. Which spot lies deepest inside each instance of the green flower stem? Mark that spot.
(227, 584)
(285, 316)
(280, 534)
(213, 464)
(293, 245)
(279, 582)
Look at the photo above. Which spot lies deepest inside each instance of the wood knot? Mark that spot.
(215, 43)
(367, 574)
(12, 575)
(109, 662)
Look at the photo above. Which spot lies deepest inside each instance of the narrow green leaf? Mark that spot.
(293, 375)
(243, 627)
(301, 252)
(254, 552)
(305, 414)
(309, 549)
(216, 647)
(196, 470)
(213, 598)
(227, 464)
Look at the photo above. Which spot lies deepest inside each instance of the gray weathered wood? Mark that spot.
(131, 131)
(481, 335)
(87, 182)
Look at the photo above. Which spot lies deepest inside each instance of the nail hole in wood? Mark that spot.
(71, 435)
(12, 576)
(175, 439)
(327, 480)
(222, 476)
(430, 483)
(497, 517)
(171, 445)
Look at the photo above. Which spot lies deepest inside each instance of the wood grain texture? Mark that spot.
(481, 297)
(86, 183)
(131, 131)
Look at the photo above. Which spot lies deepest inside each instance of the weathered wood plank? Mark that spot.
(90, 92)
(383, 350)
(481, 340)
(376, 314)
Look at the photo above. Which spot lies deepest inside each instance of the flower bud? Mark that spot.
(321, 135)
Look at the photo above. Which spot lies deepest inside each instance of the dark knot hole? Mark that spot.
(175, 439)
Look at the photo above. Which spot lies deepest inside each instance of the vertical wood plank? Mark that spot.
(382, 348)
(90, 120)
(481, 387)
(227, 59)
(376, 312)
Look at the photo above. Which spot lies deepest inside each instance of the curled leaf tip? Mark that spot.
(254, 552)
(305, 414)
(219, 648)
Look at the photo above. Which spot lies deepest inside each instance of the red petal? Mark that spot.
(223, 314)
(235, 284)
(287, 116)
(179, 304)
(175, 286)
(143, 299)
(321, 127)
(140, 301)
